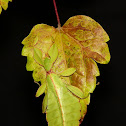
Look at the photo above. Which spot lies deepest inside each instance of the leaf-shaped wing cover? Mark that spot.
(63, 109)
(4, 4)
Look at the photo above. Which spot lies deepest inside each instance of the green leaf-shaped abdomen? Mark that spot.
(63, 108)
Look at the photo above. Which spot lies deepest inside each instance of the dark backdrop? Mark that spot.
(19, 105)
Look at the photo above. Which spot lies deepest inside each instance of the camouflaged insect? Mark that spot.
(64, 60)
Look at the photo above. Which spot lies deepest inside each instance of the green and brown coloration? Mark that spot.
(4, 4)
(63, 60)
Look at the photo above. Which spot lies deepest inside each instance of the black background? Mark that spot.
(19, 105)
